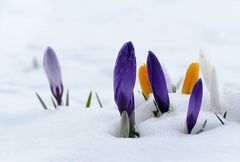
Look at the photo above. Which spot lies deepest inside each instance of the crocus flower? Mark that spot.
(124, 79)
(143, 79)
(158, 83)
(214, 92)
(191, 78)
(53, 72)
(211, 82)
(205, 67)
(194, 105)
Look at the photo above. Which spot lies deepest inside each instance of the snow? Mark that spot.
(87, 36)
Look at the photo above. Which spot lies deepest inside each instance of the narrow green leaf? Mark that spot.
(203, 126)
(67, 98)
(155, 104)
(54, 104)
(88, 104)
(35, 63)
(41, 101)
(98, 99)
(133, 134)
(225, 115)
(220, 119)
(179, 83)
(156, 112)
(144, 96)
(174, 88)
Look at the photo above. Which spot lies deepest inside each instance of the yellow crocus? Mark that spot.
(143, 79)
(191, 78)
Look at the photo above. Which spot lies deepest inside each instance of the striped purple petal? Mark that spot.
(53, 72)
(158, 83)
(194, 105)
(124, 79)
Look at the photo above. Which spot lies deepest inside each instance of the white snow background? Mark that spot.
(87, 36)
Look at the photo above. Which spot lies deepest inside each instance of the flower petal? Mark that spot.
(53, 72)
(214, 92)
(191, 78)
(211, 81)
(194, 105)
(143, 79)
(206, 67)
(157, 82)
(125, 78)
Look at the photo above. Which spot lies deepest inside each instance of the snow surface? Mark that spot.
(87, 36)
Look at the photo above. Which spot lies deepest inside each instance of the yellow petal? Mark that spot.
(143, 79)
(191, 78)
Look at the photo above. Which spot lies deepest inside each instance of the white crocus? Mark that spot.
(214, 92)
(211, 82)
(205, 67)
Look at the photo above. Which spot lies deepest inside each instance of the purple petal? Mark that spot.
(158, 83)
(194, 105)
(53, 72)
(125, 78)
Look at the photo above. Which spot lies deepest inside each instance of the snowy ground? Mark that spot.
(87, 36)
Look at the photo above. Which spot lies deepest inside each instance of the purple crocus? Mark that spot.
(53, 72)
(158, 83)
(194, 105)
(124, 79)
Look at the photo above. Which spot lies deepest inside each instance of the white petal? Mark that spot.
(205, 67)
(214, 92)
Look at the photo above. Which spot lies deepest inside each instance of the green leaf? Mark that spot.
(220, 119)
(54, 104)
(203, 126)
(67, 98)
(155, 104)
(41, 101)
(98, 99)
(156, 112)
(144, 96)
(88, 104)
(35, 63)
(179, 83)
(174, 88)
(133, 134)
(225, 115)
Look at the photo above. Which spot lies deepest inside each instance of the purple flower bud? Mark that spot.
(53, 72)
(194, 105)
(124, 79)
(158, 83)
